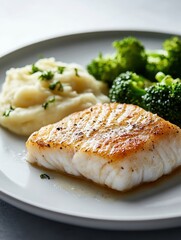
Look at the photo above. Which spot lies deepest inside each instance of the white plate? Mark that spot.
(68, 199)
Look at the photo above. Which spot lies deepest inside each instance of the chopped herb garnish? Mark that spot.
(76, 72)
(35, 69)
(8, 111)
(56, 85)
(46, 75)
(44, 176)
(61, 69)
(45, 104)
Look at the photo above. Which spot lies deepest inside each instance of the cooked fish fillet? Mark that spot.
(117, 145)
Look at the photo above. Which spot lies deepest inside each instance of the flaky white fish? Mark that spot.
(117, 145)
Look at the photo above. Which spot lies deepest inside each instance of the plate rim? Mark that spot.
(86, 33)
(98, 223)
(127, 224)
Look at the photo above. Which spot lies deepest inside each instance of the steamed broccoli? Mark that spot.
(129, 55)
(164, 98)
(128, 88)
(157, 61)
(167, 60)
(173, 48)
(105, 68)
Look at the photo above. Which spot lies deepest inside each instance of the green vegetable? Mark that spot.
(46, 75)
(157, 61)
(130, 55)
(167, 60)
(128, 88)
(61, 69)
(44, 176)
(105, 68)
(56, 85)
(35, 69)
(76, 72)
(160, 94)
(8, 111)
(173, 48)
(45, 104)
(164, 98)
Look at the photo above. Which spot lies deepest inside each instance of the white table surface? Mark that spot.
(23, 22)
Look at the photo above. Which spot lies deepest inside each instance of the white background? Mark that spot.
(22, 21)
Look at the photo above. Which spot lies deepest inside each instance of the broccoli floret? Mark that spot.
(164, 98)
(167, 60)
(128, 88)
(105, 68)
(157, 61)
(173, 48)
(131, 54)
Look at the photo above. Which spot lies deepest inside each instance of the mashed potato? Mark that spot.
(44, 93)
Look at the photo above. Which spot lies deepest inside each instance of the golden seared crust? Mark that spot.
(113, 131)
